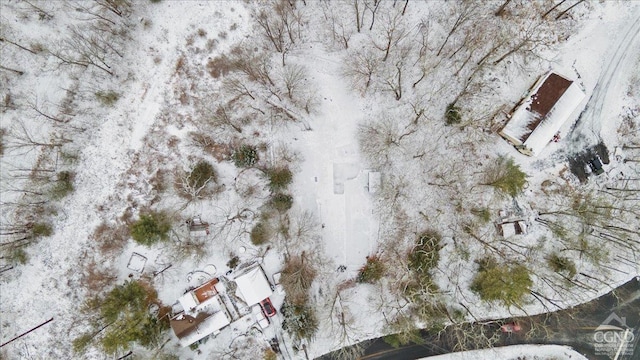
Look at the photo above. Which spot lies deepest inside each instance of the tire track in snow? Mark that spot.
(588, 126)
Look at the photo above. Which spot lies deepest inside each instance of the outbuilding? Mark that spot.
(252, 285)
(553, 101)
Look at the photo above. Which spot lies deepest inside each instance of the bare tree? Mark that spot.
(393, 33)
(20, 137)
(82, 49)
(361, 67)
(463, 12)
(293, 76)
(297, 276)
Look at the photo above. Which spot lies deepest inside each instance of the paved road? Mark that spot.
(574, 327)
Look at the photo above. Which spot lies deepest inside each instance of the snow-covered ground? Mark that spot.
(121, 148)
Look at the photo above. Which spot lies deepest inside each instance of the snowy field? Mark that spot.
(127, 98)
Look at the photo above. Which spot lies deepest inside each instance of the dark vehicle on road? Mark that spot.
(596, 165)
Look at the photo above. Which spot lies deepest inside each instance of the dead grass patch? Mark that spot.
(110, 238)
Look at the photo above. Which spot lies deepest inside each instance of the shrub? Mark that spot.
(281, 202)
(110, 238)
(197, 182)
(150, 228)
(482, 213)
(107, 98)
(19, 256)
(63, 185)
(372, 271)
(500, 282)
(233, 262)
(452, 114)
(561, 264)
(505, 176)
(260, 233)
(202, 173)
(426, 254)
(245, 156)
(39, 230)
(219, 66)
(300, 321)
(269, 354)
(279, 178)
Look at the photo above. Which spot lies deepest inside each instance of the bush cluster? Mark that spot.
(281, 202)
(562, 265)
(63, 185)
(505, 283)
(372, 271)
(300, 321)
(279, 178)
(452, 115)
(126, 310)
(107, 98)
(150, 228)
(260, 233)
(201, 173)
(245, 156)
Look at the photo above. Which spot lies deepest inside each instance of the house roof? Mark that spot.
(203, 313)
(549, 105)
(253, 286)
(206, 290)
(190, 329)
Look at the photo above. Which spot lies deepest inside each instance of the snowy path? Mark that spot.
(52, 272)
(333, 178)
(589, 126)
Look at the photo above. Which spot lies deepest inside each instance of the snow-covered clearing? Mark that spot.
(333, 179)
(197, 81)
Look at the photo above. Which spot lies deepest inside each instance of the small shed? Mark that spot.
(538, 119)
(253, 285)
(197, 227)
(508, 229)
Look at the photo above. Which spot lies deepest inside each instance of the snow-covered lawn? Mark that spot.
(131, 153)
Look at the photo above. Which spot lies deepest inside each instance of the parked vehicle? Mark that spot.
(510, 327)
(595, 164)
(267, 307)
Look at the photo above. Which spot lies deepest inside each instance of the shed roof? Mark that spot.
(253, 285)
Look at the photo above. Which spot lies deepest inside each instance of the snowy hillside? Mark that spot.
(349, 148)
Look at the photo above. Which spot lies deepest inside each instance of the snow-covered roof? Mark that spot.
(550, 104)
(199, 319)
(200, 327)
(509, 229)
(253, 286)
